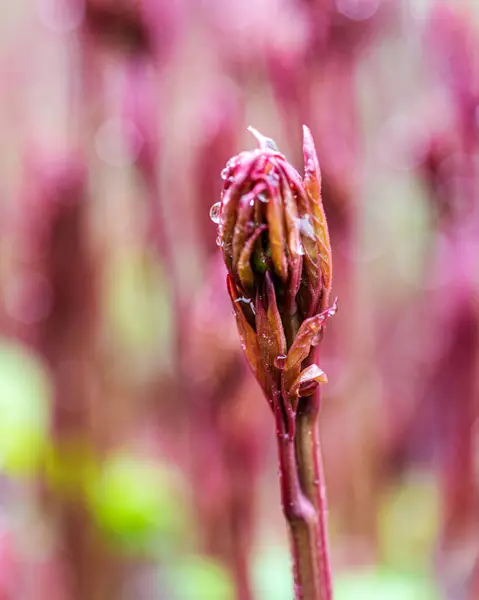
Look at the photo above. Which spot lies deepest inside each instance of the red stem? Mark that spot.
(304, 501)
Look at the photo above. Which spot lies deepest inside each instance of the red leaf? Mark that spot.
(312, 185)
(274, 215)
(249, 340)
(245, 271)
(269, 328)
(306, 383)
(307, 336)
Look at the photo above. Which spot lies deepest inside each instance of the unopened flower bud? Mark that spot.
(274, 237)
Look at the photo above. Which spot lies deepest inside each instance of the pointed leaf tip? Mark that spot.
(311, 163)
(309, 380)
(265, 143)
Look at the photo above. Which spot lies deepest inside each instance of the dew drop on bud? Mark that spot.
(215, 212)
(270, 144)
(248, 302)
(306, 228)
(263, 197)
(280, 361)
(300, 249)
(224, 173)
(219, 241)
(251, 202)
(273, 178)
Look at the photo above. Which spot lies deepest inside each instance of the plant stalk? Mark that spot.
(304, 501)
(311, 474)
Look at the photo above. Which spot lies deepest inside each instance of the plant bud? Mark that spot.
(274, 237)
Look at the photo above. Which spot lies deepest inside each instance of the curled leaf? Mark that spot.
(294, 245)
(307, 336)
(241, 232)
(232, 193)
(307, 382)
(249, 340)
(269, 328)
(274, 215)
(245, 270)
(312, 185)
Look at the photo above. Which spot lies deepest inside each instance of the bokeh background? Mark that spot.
(137, 455)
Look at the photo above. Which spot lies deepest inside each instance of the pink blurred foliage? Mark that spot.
(319, 72)
(182, 78)
(51, 225)
(221, 117)
(452, 173)
(135, 27)
(433, 420)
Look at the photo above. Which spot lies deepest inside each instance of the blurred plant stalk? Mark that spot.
(51, 223)
(450, 170)
(273, 233)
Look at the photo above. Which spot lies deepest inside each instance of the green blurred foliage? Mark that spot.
(272, 574)
(137, 302)
(394, 232)
(200, 578)
(24, 407)
(273, 580)
(69, 466)
(382, 585)
(409, 518)
(137, 503)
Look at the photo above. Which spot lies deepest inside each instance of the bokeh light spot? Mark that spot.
(61, 16)
(24, 406)
(118, 142)
(357, 10)
(28, 297)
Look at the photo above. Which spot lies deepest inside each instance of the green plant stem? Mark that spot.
(304, 505)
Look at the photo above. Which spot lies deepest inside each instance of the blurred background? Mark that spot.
(137, 454)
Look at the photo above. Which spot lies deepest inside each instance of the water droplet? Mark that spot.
(305, 227)
(279, 361)
(215, 212)
(251, 202)
(300, 249)
(273, 178)
(263, 197)
(219, 241)
(270, 144)
(224, 172)
(247, 301)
